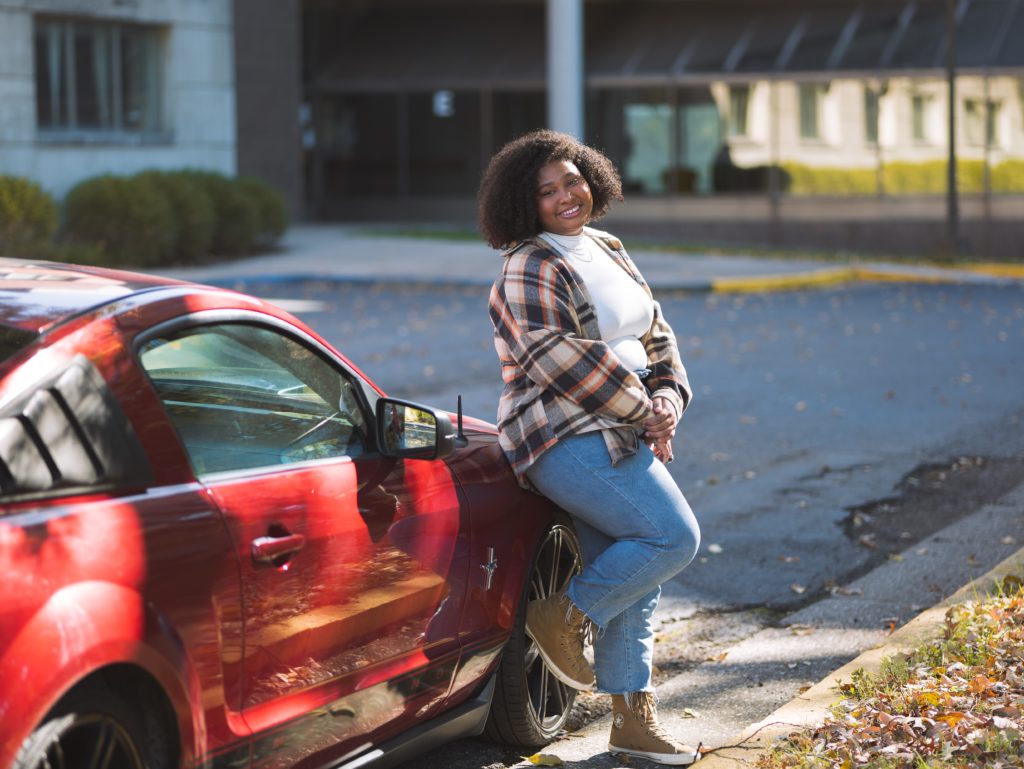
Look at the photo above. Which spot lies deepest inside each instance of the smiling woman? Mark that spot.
(593, 390)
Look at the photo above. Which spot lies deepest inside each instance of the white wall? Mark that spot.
(199, 103)
(843, 142)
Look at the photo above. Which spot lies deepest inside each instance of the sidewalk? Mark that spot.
(723, 701)
(812, 706)
(349, 253)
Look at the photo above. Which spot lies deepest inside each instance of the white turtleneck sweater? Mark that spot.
(624, 311)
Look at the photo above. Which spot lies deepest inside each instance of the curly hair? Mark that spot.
(508, 189)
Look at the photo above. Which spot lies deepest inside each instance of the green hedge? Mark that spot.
(28, 217)
(807, 180)
(192, 213)
(1008, 176)
(235, 214)
(170, 217)
(271, 210)
(129, 219)
(899, 178)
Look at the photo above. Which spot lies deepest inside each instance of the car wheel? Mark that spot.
(92, 727)
(531, 705)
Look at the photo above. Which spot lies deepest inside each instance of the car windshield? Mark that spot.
(12, 340)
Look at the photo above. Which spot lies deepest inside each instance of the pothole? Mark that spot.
(929, 498)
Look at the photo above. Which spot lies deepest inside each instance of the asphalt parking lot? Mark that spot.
(831, 430)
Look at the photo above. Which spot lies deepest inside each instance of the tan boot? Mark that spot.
(559, 630)
(637, 732)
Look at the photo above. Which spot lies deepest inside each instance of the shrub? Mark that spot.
(128, 219)
(235, 213)
(80, 253)
(898, 178)
(28, 217)
(929, 177)
(192, 212)
(271, 211)
(1008, 176)
(808, 180)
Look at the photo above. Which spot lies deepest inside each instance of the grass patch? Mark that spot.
(955, 702)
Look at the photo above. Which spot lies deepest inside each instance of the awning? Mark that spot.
(502, 46)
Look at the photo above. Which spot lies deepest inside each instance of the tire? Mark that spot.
(93, 726)
(530, 705)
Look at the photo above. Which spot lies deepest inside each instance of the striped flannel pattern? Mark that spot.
(560, 379)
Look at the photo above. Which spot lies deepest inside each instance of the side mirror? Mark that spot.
(412, 431)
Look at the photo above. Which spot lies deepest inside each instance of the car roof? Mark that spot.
(35, 295)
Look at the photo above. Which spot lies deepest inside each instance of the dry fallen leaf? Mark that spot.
(544, 759)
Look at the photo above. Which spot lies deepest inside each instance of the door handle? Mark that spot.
(269, 549)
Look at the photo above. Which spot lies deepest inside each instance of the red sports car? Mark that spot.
(223, 546)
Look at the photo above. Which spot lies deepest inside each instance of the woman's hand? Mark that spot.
(660, 428)
(661, 425)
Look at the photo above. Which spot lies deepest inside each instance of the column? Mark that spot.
(565, 66)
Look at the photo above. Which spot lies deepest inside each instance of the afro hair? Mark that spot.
(508, 190)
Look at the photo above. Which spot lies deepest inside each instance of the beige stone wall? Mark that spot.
(196, 83)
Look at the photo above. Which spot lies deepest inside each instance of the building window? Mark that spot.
(870, 115)
(810, 110)
(739, 107)
(100, 79)
(919, 104)
(980, 121)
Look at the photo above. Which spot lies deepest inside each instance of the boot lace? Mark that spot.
(644, 706)
(587, 630)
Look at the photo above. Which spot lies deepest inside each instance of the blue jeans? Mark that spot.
(636, 531)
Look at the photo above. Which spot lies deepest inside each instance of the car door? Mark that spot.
(353, 564)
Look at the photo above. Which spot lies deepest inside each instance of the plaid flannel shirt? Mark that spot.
(560, 378)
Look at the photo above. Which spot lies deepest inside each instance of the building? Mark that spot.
(105, 86)
(799, 122)
(803, 122)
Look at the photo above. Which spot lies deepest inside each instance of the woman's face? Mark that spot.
(564, 202)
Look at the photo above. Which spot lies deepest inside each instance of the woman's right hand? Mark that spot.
(660, 428)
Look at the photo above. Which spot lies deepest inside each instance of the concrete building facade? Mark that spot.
(100, 86)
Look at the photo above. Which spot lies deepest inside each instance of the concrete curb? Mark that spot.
(811, 707)
(996, 269)
(822, 278)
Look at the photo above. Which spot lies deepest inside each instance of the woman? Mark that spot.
(593, 391)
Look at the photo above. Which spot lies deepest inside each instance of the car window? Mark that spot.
(13, 340)
(243, 396)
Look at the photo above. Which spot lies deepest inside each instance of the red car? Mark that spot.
(223, 546)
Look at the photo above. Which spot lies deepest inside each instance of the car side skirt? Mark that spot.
(466, 720)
